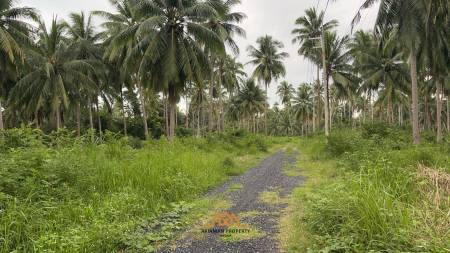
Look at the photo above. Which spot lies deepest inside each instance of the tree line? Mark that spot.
(130, 74)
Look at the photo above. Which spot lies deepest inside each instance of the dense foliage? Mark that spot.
(376, 192)
(65, 194)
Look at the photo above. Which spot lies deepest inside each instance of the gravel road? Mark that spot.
(259, 213)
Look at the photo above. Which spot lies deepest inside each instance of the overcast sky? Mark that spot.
(272, 17)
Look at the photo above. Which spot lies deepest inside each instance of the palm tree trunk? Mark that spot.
(325, 81)
(316, 103)
(166, 113)
(439, 97)
(36, 118)
(198, 123)
(91, 119)
(372, 107)
(390, 111)
(78, 119)
(124, 115)
(187, 113)
(58, 116)
(448, 114)
(415, 97)
(327, 107)
(100, 130)
(427, 113)
(265, 110)
(144, 111)
(172, 112)
(2, 127)
(211, 105)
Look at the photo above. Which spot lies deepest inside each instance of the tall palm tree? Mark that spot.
(14, 35)
(285, 91)
(120, 35)
(225, 24)
(409, 19)
(233, 75)
(437, 44)
(307, 33)
(338, 67)
(251, 100)
(303, 104)
(383, 66)
(268, 61)
(85, 40)
(171, 37)
(55, 72)
(361, 47)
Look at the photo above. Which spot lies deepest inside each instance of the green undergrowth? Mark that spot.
(64, 194)
(370, 190)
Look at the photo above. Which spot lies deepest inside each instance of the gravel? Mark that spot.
(267, 176)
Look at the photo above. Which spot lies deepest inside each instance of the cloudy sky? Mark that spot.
(272, 17)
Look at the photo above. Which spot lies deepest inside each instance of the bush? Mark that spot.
(341, 142)
(375, 130)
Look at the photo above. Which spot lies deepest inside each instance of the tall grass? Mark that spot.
(63, 194)
(376, 199)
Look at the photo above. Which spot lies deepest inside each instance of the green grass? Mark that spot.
(62, 194)
(368, 193)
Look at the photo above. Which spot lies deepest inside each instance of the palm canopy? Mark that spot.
(302, 101)
(384, 65)
(307, 32)
(54, 72)
(171, 36)
(251, 98)
(82, 32)
(14, 32)
(285, 91)
(233, 74)
(268, 59)
(338, 60)
(225, 23)
(14, 35)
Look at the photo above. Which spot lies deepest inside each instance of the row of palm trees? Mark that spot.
(398, 70)
(145, 47)
(150, 54)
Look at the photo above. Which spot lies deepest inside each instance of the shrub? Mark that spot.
(341, 142)
(375, 129)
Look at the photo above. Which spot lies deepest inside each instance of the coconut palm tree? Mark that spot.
(120, 35)
(171, 37)
(285, 91)
(85, 40)
(233, 75)
(361, 46)
(225, 24)
(307, 33)
(268, 62)
(338, 67)
(251, 100)
(409, 18)
(383, 67)
(14, 36)
(55, 72)
(303, 104)
(437, 53)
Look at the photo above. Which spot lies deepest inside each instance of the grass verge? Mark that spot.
(370, 192)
